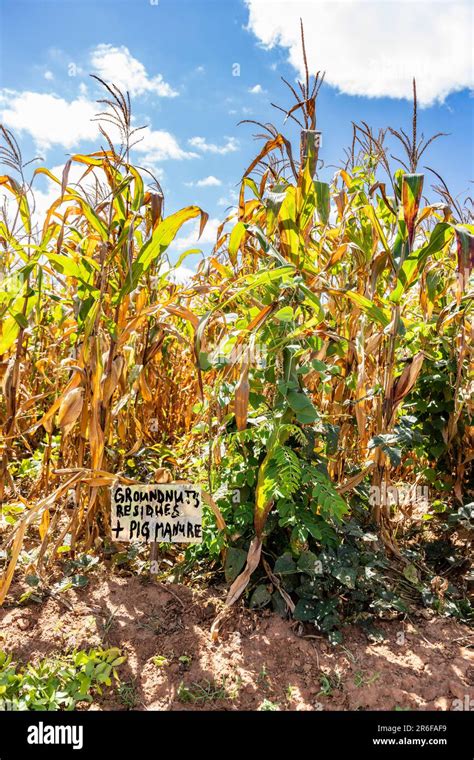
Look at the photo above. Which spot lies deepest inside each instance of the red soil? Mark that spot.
(421, 664)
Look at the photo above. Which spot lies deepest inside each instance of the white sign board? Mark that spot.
(157, 513)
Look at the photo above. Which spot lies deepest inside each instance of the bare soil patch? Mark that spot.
(259, 659)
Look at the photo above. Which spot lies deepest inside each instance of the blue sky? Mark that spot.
(178, 59)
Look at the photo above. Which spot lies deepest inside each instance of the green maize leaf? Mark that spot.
(187, 253)
(313, 301)
(15, 188)
(13, 242)
(372, 215)
(267, 247)
(399, 245)
(362, 236)
(21, 319)
(249, 182)
(235, 240)
(289, 236)
(310, 142)
(407, 276)
(306, 199)
(255, 281)
(52, 231)
(375, 312)
(91, 216)
(202, 357)
(273, 201)
(10, 327)
(432, 282)
(119, 203)
(90, 318)
(323, 200)
(126, 234)
(48, 173)
(89, 160)
(138, 188)
(163, 235)
(398, 177)
(66, 265)
(267, 277)
(440, 236)
(10, 288)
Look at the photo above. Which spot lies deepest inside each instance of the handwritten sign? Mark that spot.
(157, 513)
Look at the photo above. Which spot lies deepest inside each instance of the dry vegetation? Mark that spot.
(321, 352)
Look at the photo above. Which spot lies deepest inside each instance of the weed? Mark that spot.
(263, 677)
(127, 692)
(200, 692)
(160, 661)
(329, 683)
(108, 623)
(291, 693)
(185, 661)
(362, 680)
(57, 683)
(268, 706)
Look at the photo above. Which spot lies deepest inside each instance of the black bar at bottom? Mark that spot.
(93, 734)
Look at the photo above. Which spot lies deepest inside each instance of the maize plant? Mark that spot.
(87, 315)
(300, 364)
(351, 287)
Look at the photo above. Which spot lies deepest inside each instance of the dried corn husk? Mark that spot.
(70, 409)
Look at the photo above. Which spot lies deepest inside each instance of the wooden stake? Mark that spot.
(162, 475)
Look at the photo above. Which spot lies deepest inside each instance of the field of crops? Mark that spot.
(312, 376)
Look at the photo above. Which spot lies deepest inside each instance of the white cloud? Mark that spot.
(256, 90)
(158, 145)
(117, 65)
(228, 201)
(230, 146)
(52, 121)
(48, 75)
(49, 119)
(208, 237)
(210, 181)
(375, 48)
(180, 275)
